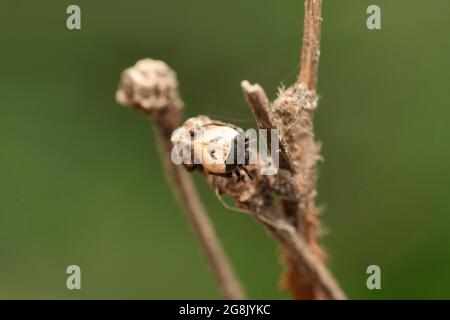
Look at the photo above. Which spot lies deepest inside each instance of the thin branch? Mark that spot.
(259, 104)
(151, 86)
(309, 61)
(305, 261)
(185, 189)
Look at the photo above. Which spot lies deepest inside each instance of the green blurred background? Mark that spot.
(80, 177)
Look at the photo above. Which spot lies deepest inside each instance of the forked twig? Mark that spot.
(294, 224)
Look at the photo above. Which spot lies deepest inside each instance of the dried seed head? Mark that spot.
(150, 85)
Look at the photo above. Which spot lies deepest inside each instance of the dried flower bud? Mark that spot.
(150, 85)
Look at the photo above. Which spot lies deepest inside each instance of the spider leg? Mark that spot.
(224, 175)
(275, 224)
(246, 171)
(227, 206)
(238, 175)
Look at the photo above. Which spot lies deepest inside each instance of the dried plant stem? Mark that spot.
(185, 189)
(305, 151)
(309, 61)
(151, 86)
(306, 262)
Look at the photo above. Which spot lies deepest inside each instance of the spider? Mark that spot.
(217, 148)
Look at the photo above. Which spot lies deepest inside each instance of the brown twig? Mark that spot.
(260, 105)
(306, 262)
(151, 86)
(304, 151)
(309, 61)
(185, 189)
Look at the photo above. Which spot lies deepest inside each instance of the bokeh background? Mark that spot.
(80, 177)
